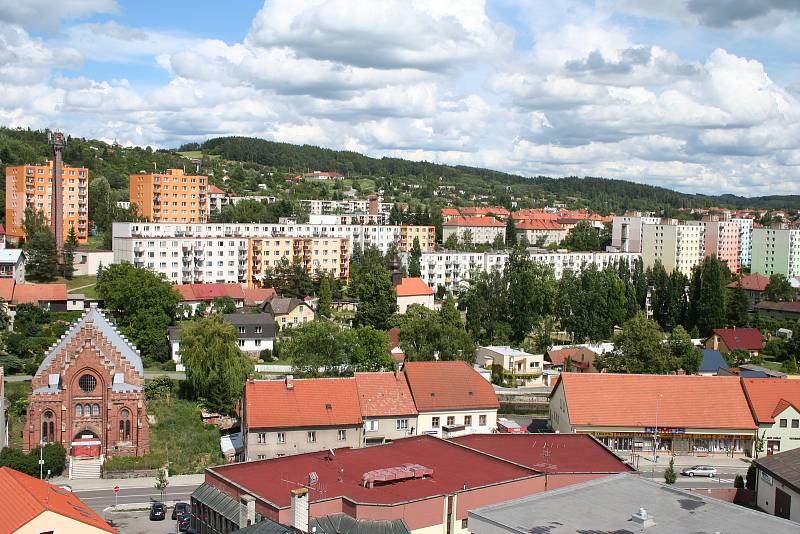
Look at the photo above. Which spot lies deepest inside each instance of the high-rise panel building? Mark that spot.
(745, 237)
(626, 232)
(776, 251)
(32, 186)
(171, 196)
(722, 238)
(676, 245)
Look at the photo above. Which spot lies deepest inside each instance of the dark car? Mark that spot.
(185, 523)
(158, 512)
(181, 509)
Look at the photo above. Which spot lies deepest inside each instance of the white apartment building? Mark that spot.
(626, 232)
(480, 229)
(676, 245)
(453, 270)
(745, 237)
(350, 218)
(218, 199)
(326, 207)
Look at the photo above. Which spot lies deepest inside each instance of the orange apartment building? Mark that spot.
(327, 255)
(170, 197)
(31, 186)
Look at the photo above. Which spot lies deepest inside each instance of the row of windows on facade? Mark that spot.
(48, 422)
(71, 172)
(451, 420)
(784, 423)
(221, 253)
(311, 435)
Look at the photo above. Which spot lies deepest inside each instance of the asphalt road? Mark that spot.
(723, 479)
(98, 499)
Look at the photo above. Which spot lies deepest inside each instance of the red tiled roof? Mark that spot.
(485, 210)
(257, 295)
(779, 306)
(214, 190)
(682, 401)
(538, 224)
(451, 385)
(394, 337)
(766, 394)
(566, 453)
(453, 467)
(310, 402)
(412, 287)
(25, 498)
(473, 221)
(741, 338)
(581, 357)
(752, 282)
(33, 293)
(384, 394)
(450, 212)
(191, 292)
(7, 289)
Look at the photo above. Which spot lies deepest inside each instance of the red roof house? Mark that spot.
(768, 397)
(32, 505)
(752, 282)
(448, 385)
(728, 339)
(474, 221)
(384, 395)
(581, 359)
(412, 287)
(36, 293)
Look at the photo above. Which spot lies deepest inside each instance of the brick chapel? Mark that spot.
(90, 390)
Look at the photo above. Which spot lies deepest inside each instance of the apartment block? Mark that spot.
(32, 186)
(480, 229)
(745, 240)
(776, 251)
(453, 270)
(172, 196)
(327, 207)
(241, 253)
(676, 245)
(723, 240)
(626, 232)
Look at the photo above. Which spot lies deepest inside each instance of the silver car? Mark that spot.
(700, 471)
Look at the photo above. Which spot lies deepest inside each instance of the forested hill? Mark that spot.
(258, 165)
(599, 193)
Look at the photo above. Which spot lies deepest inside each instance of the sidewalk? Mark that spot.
(126, 483)
(718, 461)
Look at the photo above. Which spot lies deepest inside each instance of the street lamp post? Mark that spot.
(41, 460)
(655, 430)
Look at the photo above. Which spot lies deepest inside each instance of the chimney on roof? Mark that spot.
(643, 519)
(289, 382)
(680, 371)
(300, 509)
(247, 510)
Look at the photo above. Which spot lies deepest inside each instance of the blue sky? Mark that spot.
(696, 95)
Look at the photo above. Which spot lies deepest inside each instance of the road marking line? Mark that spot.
(132, 496)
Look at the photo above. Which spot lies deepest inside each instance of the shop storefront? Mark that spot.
(675, 440)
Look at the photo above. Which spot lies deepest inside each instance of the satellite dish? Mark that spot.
(313, 478)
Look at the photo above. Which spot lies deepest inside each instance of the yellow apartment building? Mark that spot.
(170, 197)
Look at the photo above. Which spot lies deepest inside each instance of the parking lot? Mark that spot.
(139, 523)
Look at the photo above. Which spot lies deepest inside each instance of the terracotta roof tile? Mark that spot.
(25, 498)
(538, 224)
(33, 293)
(752, 282)
(310, 402)
(604, 399)
(448, 385)
(258, 295)
(450, 212)
(741, 338)
(580, 356)
(765, 394)
(384, 394)
(412, 287)
(473, 221)
(7, 289)
(214, 190)
(210, 291)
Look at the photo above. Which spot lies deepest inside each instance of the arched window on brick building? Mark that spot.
(78, 410)
(124, 425)
(48, 427)
(95, 410)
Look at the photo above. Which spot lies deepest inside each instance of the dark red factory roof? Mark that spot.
(551, 453)
(453, 468)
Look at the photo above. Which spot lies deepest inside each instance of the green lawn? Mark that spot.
(14, 391)
(775, 366)
(178, 438)
(82, 284)
(192, 154)
(94, 242)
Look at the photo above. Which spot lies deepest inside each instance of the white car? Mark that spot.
(700, 471)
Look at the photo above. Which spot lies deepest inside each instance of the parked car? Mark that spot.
(185, 523)
(158, 512)
(181, 509)
(699, 471)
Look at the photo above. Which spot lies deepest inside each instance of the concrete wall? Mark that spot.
(87, 262)
(559, 412)
(426, 425)
(404, 302)
(765, 495)
(387, 427)
(788, 438)
(296, 441)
